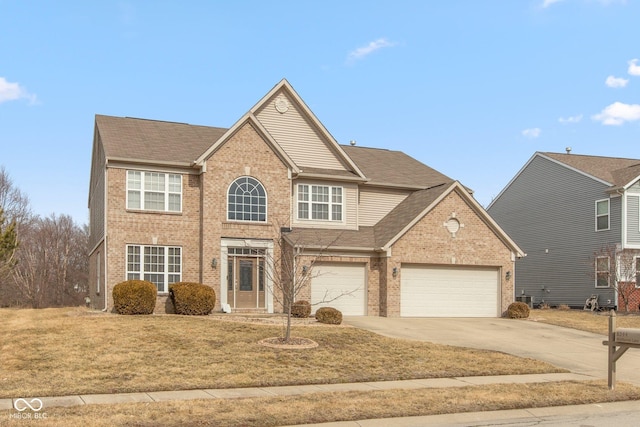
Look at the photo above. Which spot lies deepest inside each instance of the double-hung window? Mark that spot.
(602, 215)
(160, 265)
(154, 191)
(602, 272)
(320, 202)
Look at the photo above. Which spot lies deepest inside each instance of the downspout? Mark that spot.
(201, 231)
(106, 246)
(623, 236)
(106, 289)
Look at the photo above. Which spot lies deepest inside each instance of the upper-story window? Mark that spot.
(247, 200)
(154, 191)
(602, 215)
(320, 202)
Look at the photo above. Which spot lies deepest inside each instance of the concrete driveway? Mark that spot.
(577, 351)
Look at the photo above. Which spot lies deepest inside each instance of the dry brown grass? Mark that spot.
(596, 322)
(55, 352)
(326, 407)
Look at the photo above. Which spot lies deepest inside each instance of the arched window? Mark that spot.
(247, 200)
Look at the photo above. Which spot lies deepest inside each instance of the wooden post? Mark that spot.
(618, 343)
(611, 377)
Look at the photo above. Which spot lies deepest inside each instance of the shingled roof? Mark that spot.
(614, 170)
(127, 138)
(387, 167)
(371, 238)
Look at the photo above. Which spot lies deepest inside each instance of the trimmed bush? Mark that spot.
(329, 315)
(134, 297)
(518, 310)
(301, 309)
(194, 299)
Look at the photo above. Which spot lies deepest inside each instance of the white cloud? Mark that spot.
(13, 91)
(634, 68)
(618, 113)
(363, 51)
(616, 82)
(570, 119)
(532, 133)
(547, 3)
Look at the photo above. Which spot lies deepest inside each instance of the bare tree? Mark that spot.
(293, 267)
(14, 203)
(8, 245)
(14, 206)
(619, 269)
(52, 263)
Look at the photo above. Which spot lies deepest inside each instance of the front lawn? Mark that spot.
(584, 320)
(65, 351)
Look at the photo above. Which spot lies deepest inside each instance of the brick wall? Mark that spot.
(151, 228)
(430, 242)
(244, 154)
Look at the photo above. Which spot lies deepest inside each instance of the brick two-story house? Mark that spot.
(176, 202)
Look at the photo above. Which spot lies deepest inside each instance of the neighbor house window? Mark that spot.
(636, 264)
(602, 272)
(160, 265)
(602, 215)
(246, 200)
(320, 202)
(154, 191)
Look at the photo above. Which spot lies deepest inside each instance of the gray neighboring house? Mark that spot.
(562, 209)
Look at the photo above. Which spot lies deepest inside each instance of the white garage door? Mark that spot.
(448, 291)
(341, 286)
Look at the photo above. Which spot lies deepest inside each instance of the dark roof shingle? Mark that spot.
(394, 167)
(152, 140)
(614, 170)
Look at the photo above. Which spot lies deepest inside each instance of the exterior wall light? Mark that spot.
(508, 275)
(214, 263)
(394, 272)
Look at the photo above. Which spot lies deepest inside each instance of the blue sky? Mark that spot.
(470, 88)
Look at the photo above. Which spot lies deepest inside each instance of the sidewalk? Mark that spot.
(235, 393)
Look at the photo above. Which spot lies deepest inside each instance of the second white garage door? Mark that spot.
(343, 281)
(429, 291)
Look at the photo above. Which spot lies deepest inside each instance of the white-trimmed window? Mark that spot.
(160, 265)
(246, 200)
(154, 191)
(636, 264)
(603, 272)
(602, 215)
(320, 202)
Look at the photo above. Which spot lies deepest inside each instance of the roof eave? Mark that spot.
(315, 175)
(147, 162)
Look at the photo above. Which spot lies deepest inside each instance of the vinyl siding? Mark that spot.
(633, 219)
(549, 210)
(375, 203)
(297, 136)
